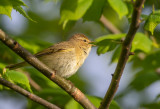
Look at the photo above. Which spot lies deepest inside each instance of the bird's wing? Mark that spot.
(60, 47)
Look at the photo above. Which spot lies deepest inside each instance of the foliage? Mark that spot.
(83, 16)
(17, 78)
(73, 11)
(152, 21)
(113, 42)
(96, 101)
(6, 7)
(119, 6)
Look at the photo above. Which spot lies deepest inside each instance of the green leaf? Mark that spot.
(95, 100)
(102, 49)
(141, 42)
(108, 42)
(17, 3)
(119, 6)
(72, 104)
(116, 54)
(2, 65)
(1, 87)
(154, 105)
(31, 46)
(18, 78)
(143, 79)
(114, 105)
(152, 21)
(21, 11)
(73, 10)
(110, 36)
(95, 11)
(130, 9)
(6, 7)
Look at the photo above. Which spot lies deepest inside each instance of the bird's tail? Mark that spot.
(18, 65)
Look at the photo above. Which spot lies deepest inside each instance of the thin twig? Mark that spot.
(109, 25)
(32, 82)
(49, 73)
(28, 94)
(125, 52)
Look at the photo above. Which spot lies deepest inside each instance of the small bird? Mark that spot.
(64, 58)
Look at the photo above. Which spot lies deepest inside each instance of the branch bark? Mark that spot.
(28, 94)
(125, 52)
(49, 73)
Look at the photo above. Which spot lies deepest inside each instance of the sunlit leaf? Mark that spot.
(21, 11)
(110, 36)
(72, 104)
(95, 11)
(2, 65)
(18, 78)
(73, 10)
(31, 46)
(114, 105)
(108, 42)
(152, 21)
(5, 7)
(141, 42)
(119, 6)
(1, 87)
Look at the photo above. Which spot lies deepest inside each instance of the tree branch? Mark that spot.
(109, 25)
(125, 52)
(49, 73)
(28, 94)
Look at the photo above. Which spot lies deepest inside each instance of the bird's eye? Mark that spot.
(85, 40)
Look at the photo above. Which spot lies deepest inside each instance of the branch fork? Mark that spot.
(125, 53)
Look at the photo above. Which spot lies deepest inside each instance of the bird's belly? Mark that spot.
(65, 64)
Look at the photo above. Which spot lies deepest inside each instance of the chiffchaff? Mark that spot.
(64, 57)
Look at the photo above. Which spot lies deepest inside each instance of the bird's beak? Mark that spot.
(92, 43)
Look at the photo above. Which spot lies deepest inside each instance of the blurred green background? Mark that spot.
(139, 86)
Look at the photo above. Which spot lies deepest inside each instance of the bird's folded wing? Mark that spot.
(54, 49)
